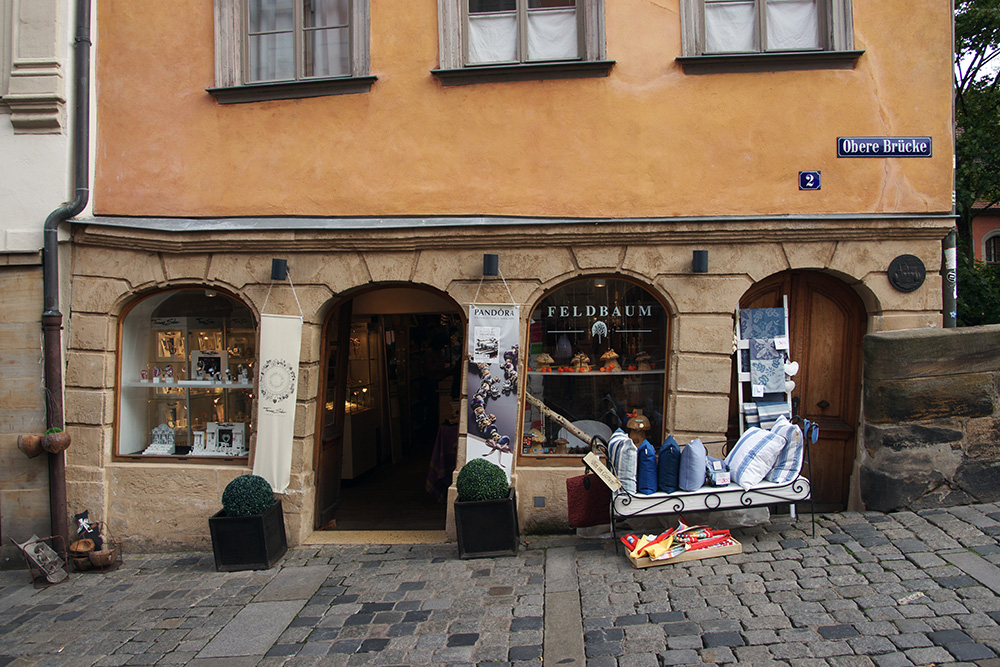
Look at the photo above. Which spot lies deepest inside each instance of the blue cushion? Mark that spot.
(623, 455)
(753, 456)
(645, 468)
(668, 468)
(788, 465)
(694, 457)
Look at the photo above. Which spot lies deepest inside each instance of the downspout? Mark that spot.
(51, 317)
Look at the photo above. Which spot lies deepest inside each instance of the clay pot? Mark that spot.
(55, 442)
(31, 445)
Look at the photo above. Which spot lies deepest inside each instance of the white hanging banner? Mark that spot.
(493, 373)
(277, 381)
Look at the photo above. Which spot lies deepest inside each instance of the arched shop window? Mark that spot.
(186, 365)
(597, 352)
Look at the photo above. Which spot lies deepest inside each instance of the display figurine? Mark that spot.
(643, 361)
(638, 424)
(200, 369)
(229, 376)
(218, 376)
(144, 374)
(168, 373)
(609, 361)
(242, 371)
(543, 363)
(156, 373)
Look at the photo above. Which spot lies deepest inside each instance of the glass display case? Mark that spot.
(597, 353)
(186, 380)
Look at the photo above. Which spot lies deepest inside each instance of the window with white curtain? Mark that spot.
(520, 40)
(739, 27)
(511, 31)
(742, 26)
(290, 48)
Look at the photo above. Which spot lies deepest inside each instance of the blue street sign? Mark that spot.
(884, 147)
(809, 180)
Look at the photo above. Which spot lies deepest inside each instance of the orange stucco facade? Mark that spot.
(394, 195)
(649, 140)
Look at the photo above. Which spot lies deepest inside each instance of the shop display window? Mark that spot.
(597, 354)
(186, 377)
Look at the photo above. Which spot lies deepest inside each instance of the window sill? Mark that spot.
(288, 90)
(182, 458)
(769, 62)
(523, 72)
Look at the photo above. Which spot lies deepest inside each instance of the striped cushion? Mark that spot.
(753, 456)
(789, 462)
(624, 455)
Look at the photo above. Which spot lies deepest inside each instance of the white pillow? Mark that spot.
(753, 456)
(624, 455)
(788, 464)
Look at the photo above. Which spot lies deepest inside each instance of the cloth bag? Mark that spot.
(669, 466)
(645, 468)
(694, 457)
(588, 500)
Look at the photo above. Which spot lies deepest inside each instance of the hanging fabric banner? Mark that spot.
(277, 381)
(493, 366)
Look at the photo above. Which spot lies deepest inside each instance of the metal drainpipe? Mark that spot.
(51, 317)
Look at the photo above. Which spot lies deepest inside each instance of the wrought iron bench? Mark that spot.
(708, 498)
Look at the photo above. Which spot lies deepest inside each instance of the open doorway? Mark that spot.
(389, 419)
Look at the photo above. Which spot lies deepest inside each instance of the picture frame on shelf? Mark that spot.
(225, 438)
(170, 345)
(208, 364)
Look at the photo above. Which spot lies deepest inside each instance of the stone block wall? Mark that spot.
(931, 418)
(24, 482)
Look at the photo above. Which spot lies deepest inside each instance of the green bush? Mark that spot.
(247, 495)
(481, 480)
(978, 292)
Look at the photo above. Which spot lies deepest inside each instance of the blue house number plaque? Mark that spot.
(809, 180)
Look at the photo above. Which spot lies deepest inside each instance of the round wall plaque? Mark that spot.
(907, 273)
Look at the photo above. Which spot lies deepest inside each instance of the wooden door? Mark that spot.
(330, 432)
(826, 323)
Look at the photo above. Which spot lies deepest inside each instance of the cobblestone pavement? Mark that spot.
(868, 589)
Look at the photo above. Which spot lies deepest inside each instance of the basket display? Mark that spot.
(79, 553)
(85, 556)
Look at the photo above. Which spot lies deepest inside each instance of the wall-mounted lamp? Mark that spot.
(279, 269)
(491, 265)
(599, 283)
(699, 263)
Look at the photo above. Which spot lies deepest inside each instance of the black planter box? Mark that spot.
(487, 528)
(248, 542)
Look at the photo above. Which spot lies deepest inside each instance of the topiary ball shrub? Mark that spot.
(481, 480)
(247, 495)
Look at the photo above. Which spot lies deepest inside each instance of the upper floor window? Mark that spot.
(506, 31)
(784, 32)
(991, 254)
(745, 26)
(520, 39)
(279, 49)
(290, 40)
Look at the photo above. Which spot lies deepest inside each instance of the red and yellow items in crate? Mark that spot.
(679, 544)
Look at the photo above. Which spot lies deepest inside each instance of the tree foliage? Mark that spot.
(977, 110)
(978, 291)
